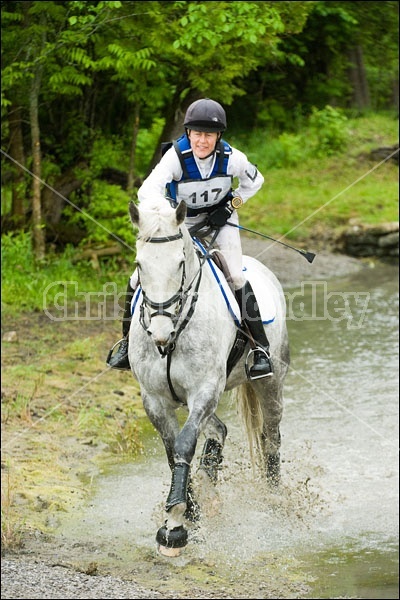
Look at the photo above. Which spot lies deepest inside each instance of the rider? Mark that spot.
(199, 169)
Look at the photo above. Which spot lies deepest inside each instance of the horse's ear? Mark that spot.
(181, 212)
(134, 213)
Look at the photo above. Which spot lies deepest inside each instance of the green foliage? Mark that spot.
(324, 133)
(246, 34)
(105, 217)
(328, 128)
(28, 285)
(147, 140)
(323, 191)
(108, 151)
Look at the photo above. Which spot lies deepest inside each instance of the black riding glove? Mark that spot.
(219, 216)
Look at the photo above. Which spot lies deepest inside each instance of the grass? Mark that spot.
(310, 188)
(64, 417)
(12, 527)
(320, 178)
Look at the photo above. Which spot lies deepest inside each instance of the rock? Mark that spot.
(10, 336)
(380, 241)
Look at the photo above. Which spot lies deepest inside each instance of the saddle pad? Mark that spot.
(265, 302)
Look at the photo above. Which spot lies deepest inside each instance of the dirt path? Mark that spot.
(64, 417)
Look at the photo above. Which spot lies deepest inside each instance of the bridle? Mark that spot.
(179, 298)
(160, 307)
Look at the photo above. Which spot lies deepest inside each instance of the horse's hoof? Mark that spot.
(171, 541)
(169, 552)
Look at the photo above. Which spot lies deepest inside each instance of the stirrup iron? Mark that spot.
(110, 356)
(247, 367)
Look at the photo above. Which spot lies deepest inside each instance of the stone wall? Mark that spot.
(379, 241)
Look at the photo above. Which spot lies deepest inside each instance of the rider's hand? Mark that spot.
(219, 216)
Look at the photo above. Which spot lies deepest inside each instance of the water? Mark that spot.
(342, 401)
(332, 530)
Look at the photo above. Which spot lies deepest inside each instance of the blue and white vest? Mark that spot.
(201, 195)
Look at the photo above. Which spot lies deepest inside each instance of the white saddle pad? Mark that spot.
(265, 302)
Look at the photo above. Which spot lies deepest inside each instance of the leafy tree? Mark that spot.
(43, 59)
(91, 88)
(346, 55)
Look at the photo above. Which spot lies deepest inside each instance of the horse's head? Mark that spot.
(160, 259)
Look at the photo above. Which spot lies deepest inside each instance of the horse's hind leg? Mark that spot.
(272, 462)
(211, 457)
(210, 463)
(271, 437)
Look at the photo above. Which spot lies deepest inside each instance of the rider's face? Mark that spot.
(202, 142)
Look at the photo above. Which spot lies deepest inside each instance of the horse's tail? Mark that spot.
(250, 411)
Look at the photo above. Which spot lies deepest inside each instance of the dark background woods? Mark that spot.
(90, 89)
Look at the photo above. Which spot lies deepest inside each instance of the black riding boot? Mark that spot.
(262, 366)
(120, 359)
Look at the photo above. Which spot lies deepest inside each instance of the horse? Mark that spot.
(187, 347)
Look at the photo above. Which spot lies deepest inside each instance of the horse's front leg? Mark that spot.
(173, 535)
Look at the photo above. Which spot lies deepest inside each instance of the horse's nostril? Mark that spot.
(164, 341)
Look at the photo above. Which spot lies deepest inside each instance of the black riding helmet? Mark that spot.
(205, 115)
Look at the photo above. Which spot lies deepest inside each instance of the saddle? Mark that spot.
(243, 336)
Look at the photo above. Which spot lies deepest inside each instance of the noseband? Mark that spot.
(159, 308)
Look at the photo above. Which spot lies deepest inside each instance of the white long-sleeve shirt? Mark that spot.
(169, 169)
(249, 181)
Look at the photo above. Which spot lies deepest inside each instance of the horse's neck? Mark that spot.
(192, 259)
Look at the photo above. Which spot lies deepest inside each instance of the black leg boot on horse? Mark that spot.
(262, 366)
(120, 359)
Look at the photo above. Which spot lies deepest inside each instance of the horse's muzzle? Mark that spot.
(165, 340)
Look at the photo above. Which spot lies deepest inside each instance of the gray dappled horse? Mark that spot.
(185, 350)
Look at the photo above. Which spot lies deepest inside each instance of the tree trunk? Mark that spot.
(173, 127)
(38, 230)
(132, 158)
(54, 196)
(17, 153)
(358, 78)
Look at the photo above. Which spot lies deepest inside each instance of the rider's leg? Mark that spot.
(262, 366)
(229, 242)
(120, 358)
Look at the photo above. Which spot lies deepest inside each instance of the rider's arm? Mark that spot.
(153, 187)
(250, 178)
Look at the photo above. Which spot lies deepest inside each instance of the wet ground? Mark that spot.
(259, 544)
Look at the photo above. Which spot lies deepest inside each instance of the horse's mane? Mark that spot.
(155, 217)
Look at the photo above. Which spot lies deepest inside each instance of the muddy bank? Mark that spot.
(61, 368)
